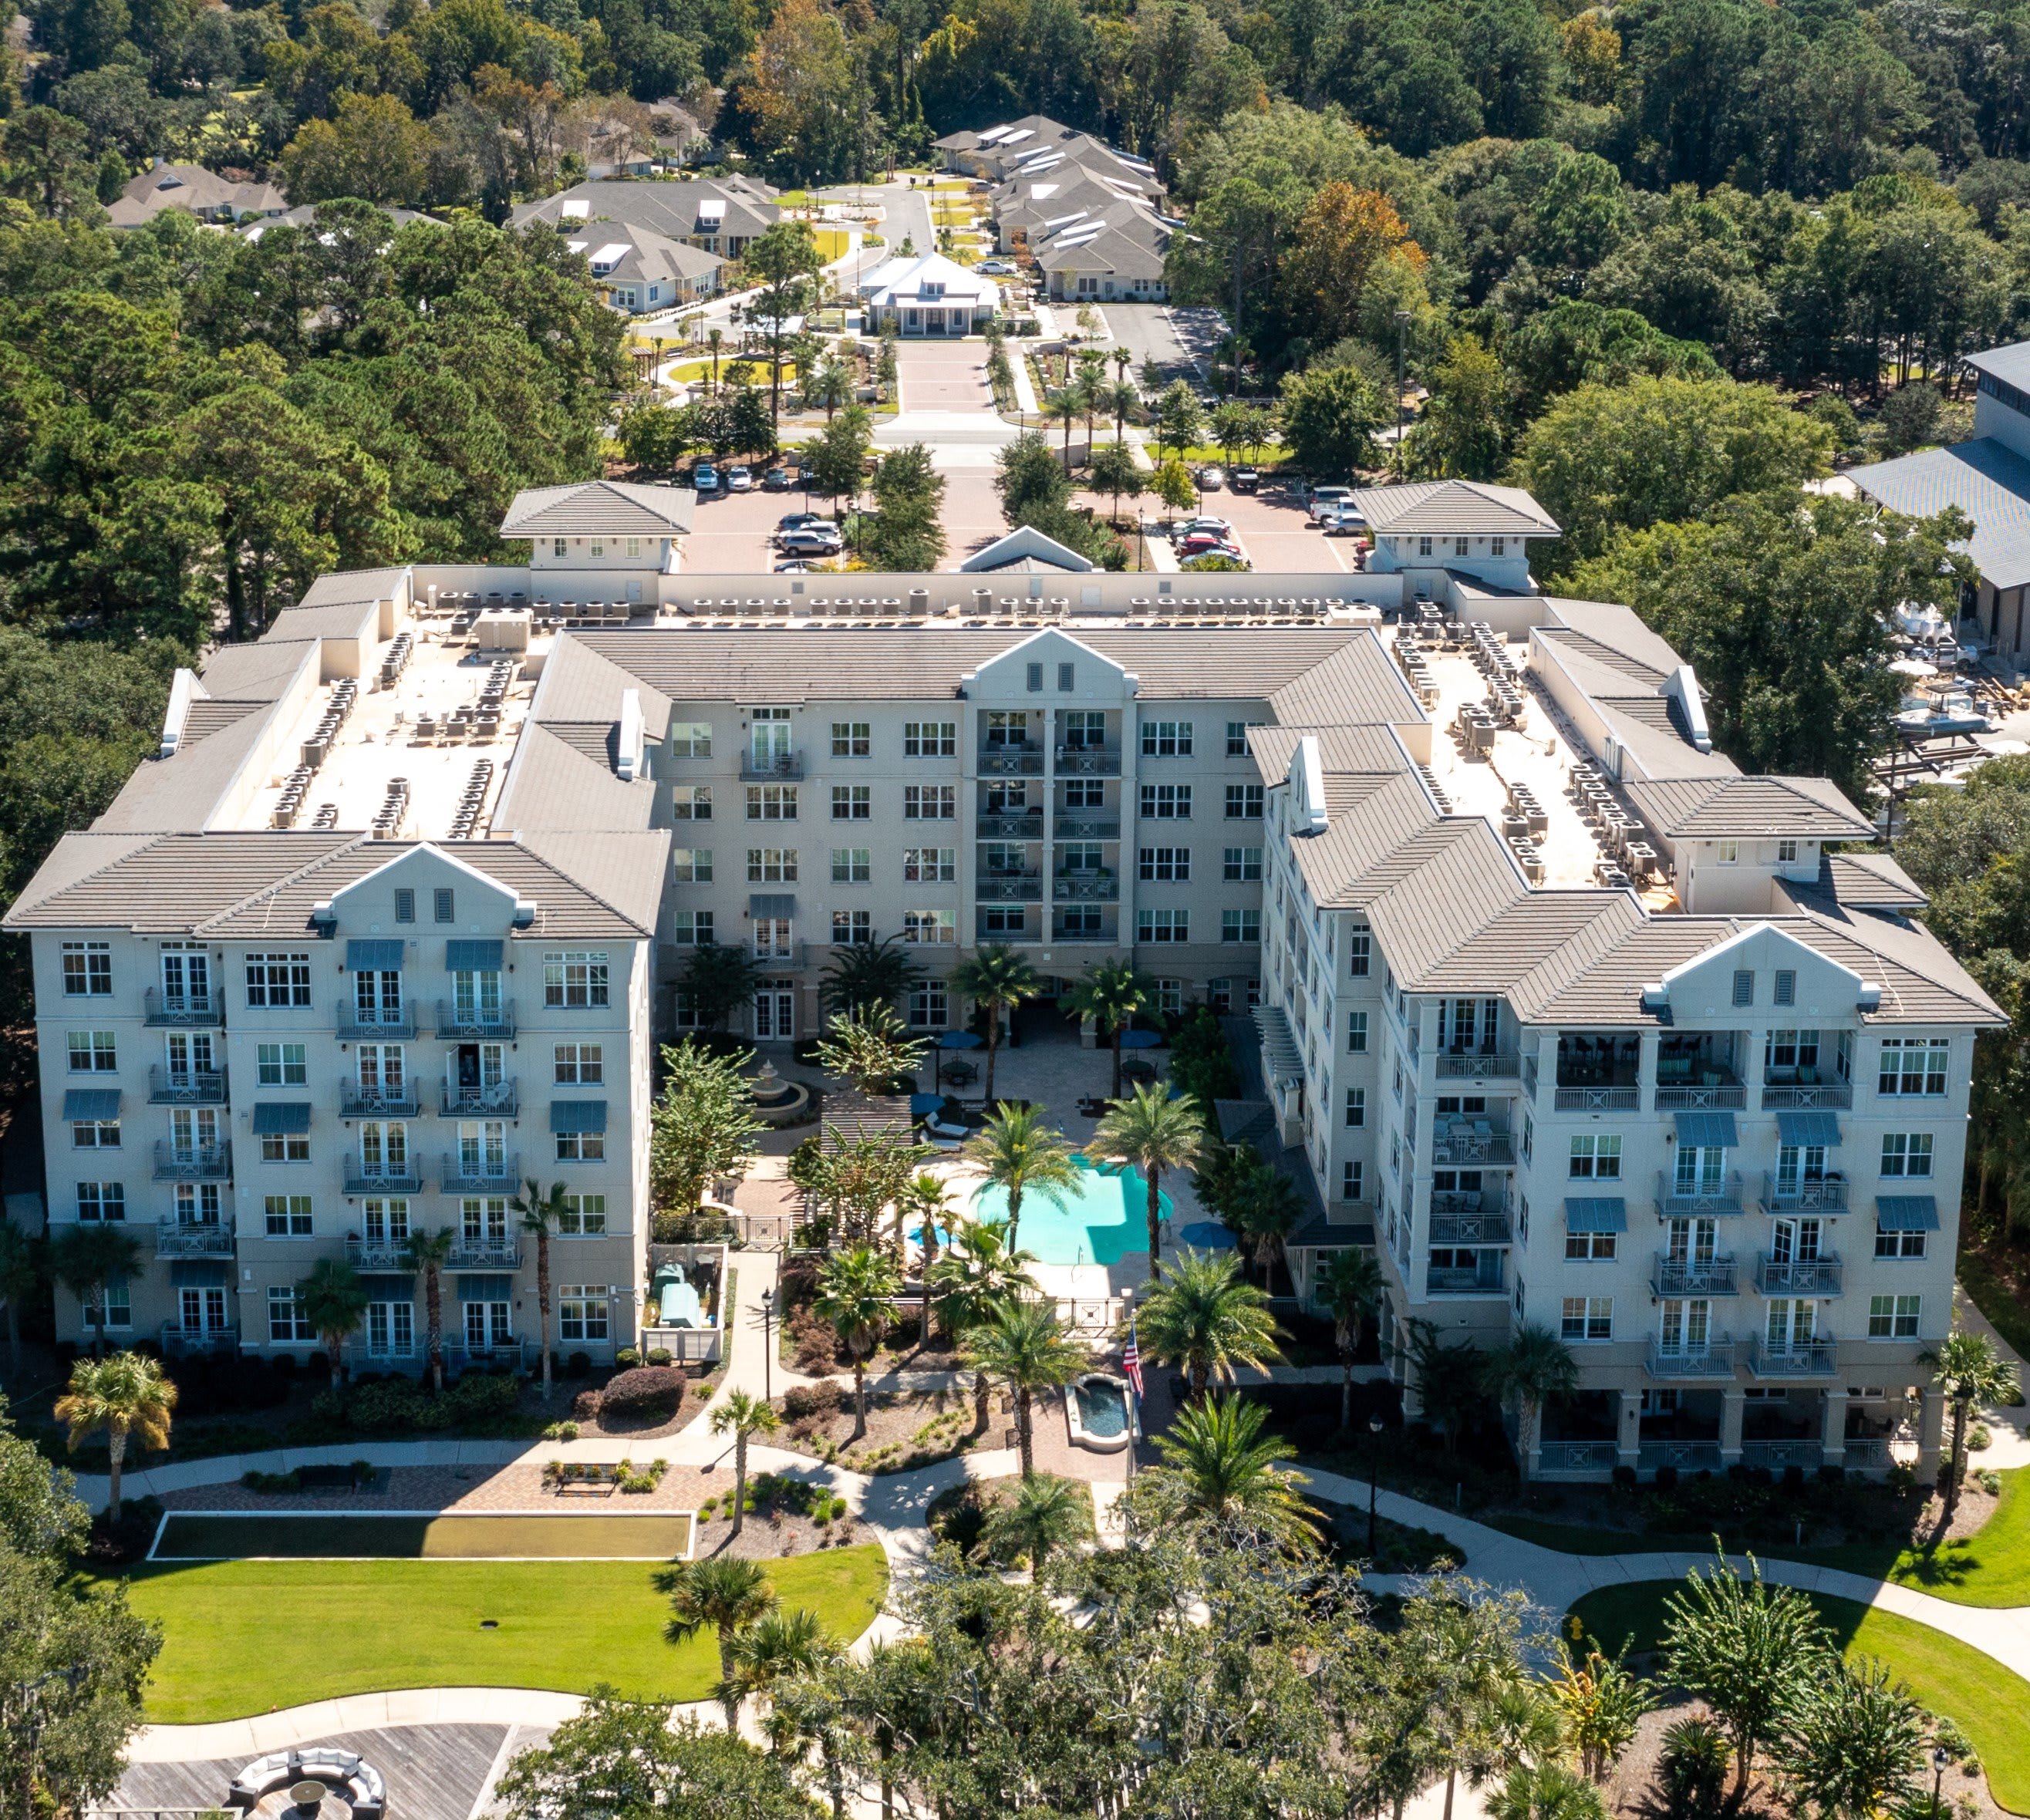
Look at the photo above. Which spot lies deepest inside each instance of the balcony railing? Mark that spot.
(194, 1162)
(1685, 1456)
(1811, 1358)
(186, 1087)
(1005, 761)
(1683, 1200)
(779, 955)
(473, 1023)
(1462, 1144)
(1621, 1099)
(1800, 1195)
(1469, 1065)
(1010, 888)
(785, 768)
(1089, 761)
(182, 1239)
(1452, 1281)
(1785, 1097)
(1087, 827)
(1714, 1360)
(484, 1254)
(997, 826)
(1722, 1096)
(1065, 932)
(177, 1338)
(1676, 1276)
(502, 1100)
(406, 1179)
(389, 1025)
(1577, 1457)
(1471, 1229)
(1819, 1275)
(182, 1010)
(377, 1254)
(1084, 888)
(1795, 1450)
(480, 1175)
(357, 1102)
(1865, 1451)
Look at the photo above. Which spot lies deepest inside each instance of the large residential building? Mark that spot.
(1568, 1020)
(194, 191)
(717, 215)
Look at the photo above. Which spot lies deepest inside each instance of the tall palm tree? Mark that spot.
(1970, 1373)
(1154, 1133)
(743, 1416)
(1047, 1514)
(1023, 1155)
(715, 339)
(128, 1394)
(87, 1260)
(1067, 407)
(723, 1594)
(1217, 1467)
(1028, 1348)
(856, 1292)
(20, 1275)
(924, 1201)
(865, 974)
(1205, 1317)
(982, 1269)
(1535, 1366)
(1110, 995)
(427, 1252)
(996, 978)
(781, 1646)
(334, 1302)
(1350, 1286)
(1261, 1206)
(539, 1213)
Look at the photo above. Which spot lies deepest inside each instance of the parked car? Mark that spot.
(798, 521)
(805, 478)
(811, 541)
(740, 480)
(794, 567)
(1211, 479)
(1207, 544)
(1204, 521)
(1327, 500)
(1348, 521)
(1247, 480)
(705, 476)
(995, 268)
(777, 480)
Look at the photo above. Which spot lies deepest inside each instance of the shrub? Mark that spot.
(627, 1358)
(578, 1365)
(816, 1342)
(1979, 1439)
(585, 1405)
(643, 1478)
(959, 1515)
(1667, 1478)
(1625, 1477)
(1693, 1770)
(660, 1355)
(818, 1399)
(403, 1405)
(646, 1393)
(561, 1431)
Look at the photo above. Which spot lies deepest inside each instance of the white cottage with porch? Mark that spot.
(928, 295)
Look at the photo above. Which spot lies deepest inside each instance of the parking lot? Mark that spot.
(943, 376)
(1270, 527)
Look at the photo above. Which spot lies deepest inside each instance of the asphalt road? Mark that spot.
(1179, 341)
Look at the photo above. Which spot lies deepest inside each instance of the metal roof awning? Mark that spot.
(1708, 1130)
(577, 1115)
(279, 1119)
(92, 1105)
(775, 904)
(200, 1273)
(1906, 1213)
(472, 956)
(388, 1285)
(371, 957)
(475, 1288)
(1807, 1129)
(1279, 1047)
(1596, 1213)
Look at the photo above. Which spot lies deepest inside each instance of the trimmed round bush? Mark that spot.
(818, 1399)
(646, 1393)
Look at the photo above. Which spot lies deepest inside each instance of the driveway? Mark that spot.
(1181, 341)
(943, 376)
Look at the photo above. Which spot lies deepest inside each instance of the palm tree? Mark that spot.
(88, 1259)
(1110, 995)
(715, 339)
(1022, 1155)
(1205, 1317)
(427, 1252)
(1047, 1514)
(1067, 407)
(128, 1394)
(982, 1269)
(724, 1594)
(1152, 1132)
(856, 1292)
(781, 1646)
(831, 385)
(1969, 1373)
(333, 1301)
(539, 1213)
(1028, 1348)
(1262, 1207)
(924, 1201)
(1545, 1792)
(20, 1275)
(865, 974)
(1450, 1381)
(744, 1417)
(996, 978)
(1534, 1367)
(1218, 1468)
(1350, 1286)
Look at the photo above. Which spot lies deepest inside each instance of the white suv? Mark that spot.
(1326, 502)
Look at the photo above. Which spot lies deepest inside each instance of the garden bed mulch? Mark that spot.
(906, 1430)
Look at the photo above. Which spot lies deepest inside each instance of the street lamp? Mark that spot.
(1373, 1475)
(1939, 1760)
(767, 1346)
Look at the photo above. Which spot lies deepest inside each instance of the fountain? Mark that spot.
(778, 1102)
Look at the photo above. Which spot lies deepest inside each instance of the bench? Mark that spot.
(583, 1478)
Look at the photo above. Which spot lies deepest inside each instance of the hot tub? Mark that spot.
(1100, 1413)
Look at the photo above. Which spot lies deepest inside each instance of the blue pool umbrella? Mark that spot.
(922, 1104)
(961, 1039)
(1141, 1039)
(1207, 1235)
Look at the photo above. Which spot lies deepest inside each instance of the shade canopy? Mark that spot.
(1708, 1130)
(369, 956)
(1907, 1214)
(280, 1119)
(1808, 1130)
(1141, 1039)
(772, 904)
(198, 1273)
(1207, 1235)
(569, 1117)
(961, 1039)
(472, 956)
(92, 1105)
(1596, 1213)
(476, 1288)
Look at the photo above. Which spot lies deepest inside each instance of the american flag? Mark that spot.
(1131, 1360)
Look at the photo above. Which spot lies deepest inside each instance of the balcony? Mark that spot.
(1089, 761)
(1801, 1196)
(1626, 1098)
(502, 1100)
(481, 1174)
(1721, 1096)
(181, 1238)
(1791, 1097)
(1472, 1140)
(1810, 1358)
(484, 1254)
(779, 956)
(475, 1024)
(1083, 827)
(1864, 1451)
(1576, 1457)
(1104, 932)
(1795, 1450)
(1468, 1065)
(1012, 761)
(1471, 1229)
(377, 1254)
(177, 1339)
(1451, 1280)
(402, 1179)
(1685, 1456)
(998, 825)
(1010, 888)
(782, 767)
(1819, 1275)
(389, 1025)
(1085, 888)
(1677, 1277)
(1712, 1362)
(194, 1162)
(358, 1102)
(1677, 1199)
(192, 1087)
(182, 1010)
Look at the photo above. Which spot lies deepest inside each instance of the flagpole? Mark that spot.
(1132, 1365)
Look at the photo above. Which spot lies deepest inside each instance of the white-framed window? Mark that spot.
(275, 982)
(1900, 1246)
(1893, 1316)
(1166, 802)
(929, 1009)
(853, 865)
(88, 969)
(1423, 546)
(583, 1216)
(488, 1325)
(102, 1201)
(386, 1217)
(575, 978)
(776, 803)
(930, 926)
(581, 1312)
(852, 802)
(691, 802)
(383, 1148)
(930, 739)
(1786, 853)
(1587, 1319)
(391, 1329)
(581, 1146)
(579, 1064)
(852, 928)
(930, 802)
(1730, 852)
(1241, 865)
(930, 865)
(282, 1065)
(288, 1216)
(1166, 739)
(1162, 926)
(1595, 1158)
(691, 739)
(1352, 1179)
(94, 1135)
(771, 865)
(92, 1052)
(774, 938)
(1913, 1066)
(852, 739)
(693, 928)
(285, 1147)
(1590, 1247)
(288, 1323)
(691, 865)
(1497, 546)
(1166, 865)
(1244, 802)
(1240, 925)
(1906, 1153)
(1359, 951)
(1236, 739)
(1356, 1107)
(1356, 1033)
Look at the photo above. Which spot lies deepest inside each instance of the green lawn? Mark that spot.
(1988, 1702)
(245, 1637)
(589, 1535)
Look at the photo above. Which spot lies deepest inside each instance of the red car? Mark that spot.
(1207, 544)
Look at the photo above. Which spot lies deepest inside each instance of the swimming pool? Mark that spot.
(1106, 1216)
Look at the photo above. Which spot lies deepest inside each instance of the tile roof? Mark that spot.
(1342, 750)
(1869, 882)
(562, 777)
(1452, 508)
(354, 585)
(588, 508)
(1985, 479)
(1357, 685)
(1708, 808)
(708, 207)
